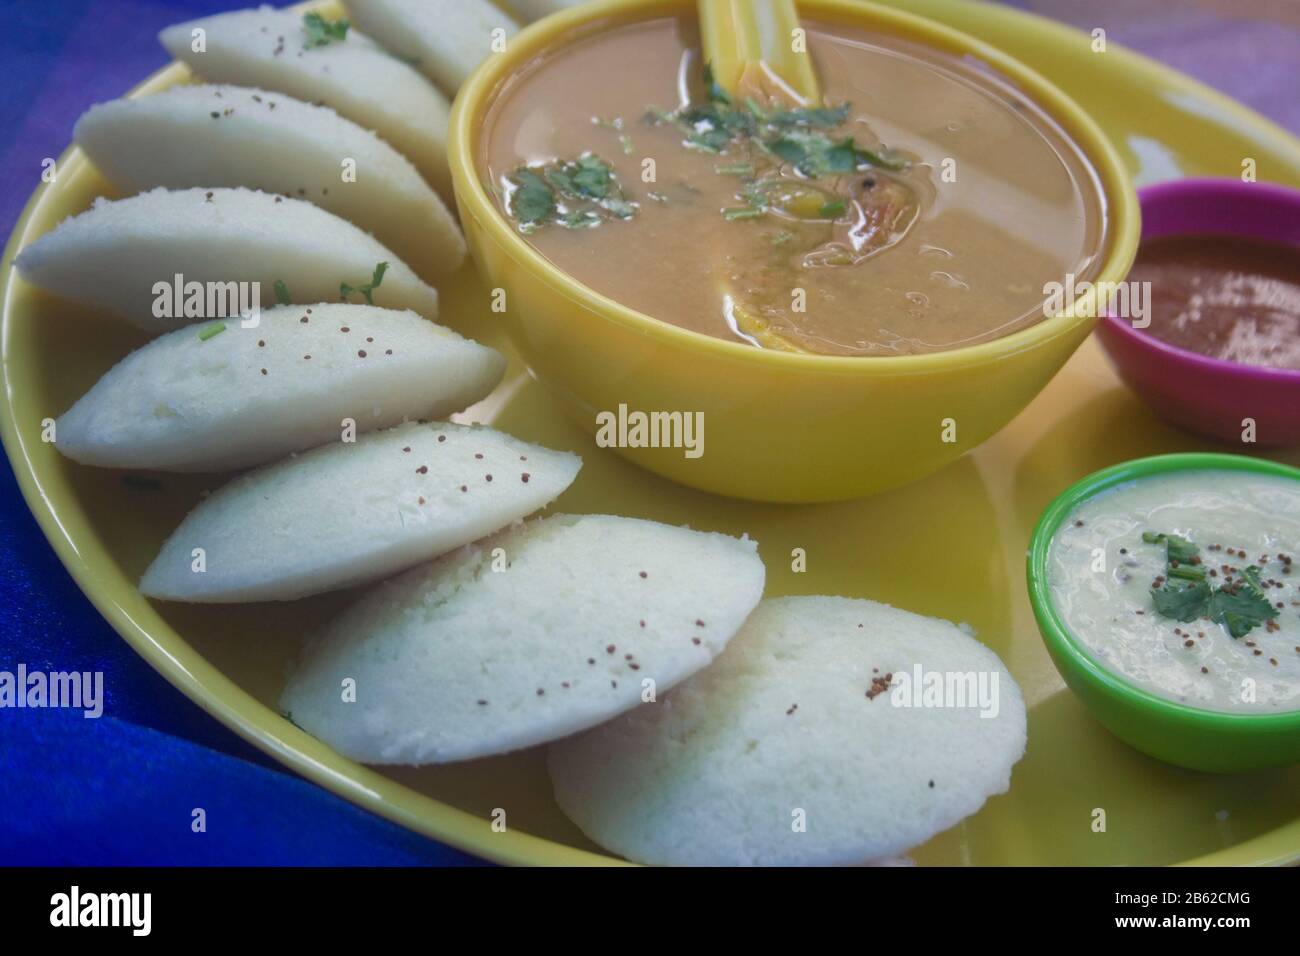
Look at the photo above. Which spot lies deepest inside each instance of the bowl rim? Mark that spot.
(1066, 647)
(1192, 191)
(1115, 182)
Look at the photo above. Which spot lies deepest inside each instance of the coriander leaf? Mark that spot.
(788, 149)
(583, 219)
(592, 177)
(1182, 604)
(818, 118)
(575, 194)
(833, 209)
(620, 208)
(367, 290)
(322, 32)
(881, 160)
(1240, 611)
(282, 292)
(1176, 548)
(813, 154)
(1251, 574)
(842, 157)
(716, 93)
(711, 139)
(532, 201)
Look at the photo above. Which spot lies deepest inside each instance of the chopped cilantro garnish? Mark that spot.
(817, 118)
(1185, 603)
(532, 201)
(789, 134)
(587, 177)
(1176, 548)
(322, 32)
(367, 290)
(815, 155)
(1241, 611)
(575, 194)
(208, 331)
(717, 93)
(833, 209)
(282, 292)
(1240, 606)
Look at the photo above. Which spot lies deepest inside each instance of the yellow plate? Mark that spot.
(971, 521)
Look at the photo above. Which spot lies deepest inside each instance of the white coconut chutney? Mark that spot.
(1102, 572)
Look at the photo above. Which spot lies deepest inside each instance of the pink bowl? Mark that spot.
(1206, 395)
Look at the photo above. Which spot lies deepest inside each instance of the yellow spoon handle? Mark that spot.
(756, 47)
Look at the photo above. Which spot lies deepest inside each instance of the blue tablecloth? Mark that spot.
(123, 789)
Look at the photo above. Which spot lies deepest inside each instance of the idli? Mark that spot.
(322, 61)
(163, 259)
(443, 39)
(351, 512)
(219, 396)
(209, 136)
(818, 737)
(541, 631)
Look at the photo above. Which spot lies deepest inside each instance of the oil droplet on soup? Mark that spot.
(992, 203)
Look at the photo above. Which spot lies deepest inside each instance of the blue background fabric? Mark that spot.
(122, 789)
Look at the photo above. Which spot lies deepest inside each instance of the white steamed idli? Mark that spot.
(218, 396)
(794, 747)
(351, 512)
(209, 136)
(123, 257)
(273, 50)
(481, 653)
(443, 39)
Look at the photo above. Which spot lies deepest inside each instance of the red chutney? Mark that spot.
(1227, 297)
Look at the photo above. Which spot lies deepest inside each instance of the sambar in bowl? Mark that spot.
(838, 297)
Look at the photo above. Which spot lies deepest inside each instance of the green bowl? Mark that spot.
(1175, 733)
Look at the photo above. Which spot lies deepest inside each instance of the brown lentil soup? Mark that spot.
(925, 206)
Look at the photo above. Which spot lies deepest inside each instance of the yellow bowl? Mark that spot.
(778, 426)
